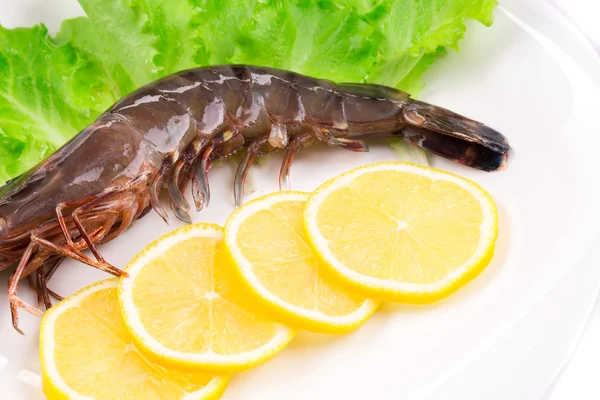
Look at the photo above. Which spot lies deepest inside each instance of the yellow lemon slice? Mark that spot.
(403, 232)
(87, 353)
(182, 305)
(266, 240)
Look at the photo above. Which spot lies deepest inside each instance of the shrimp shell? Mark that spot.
(171, 131)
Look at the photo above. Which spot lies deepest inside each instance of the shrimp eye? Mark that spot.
(3, 227)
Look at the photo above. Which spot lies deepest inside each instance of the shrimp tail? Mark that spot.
(454, 136)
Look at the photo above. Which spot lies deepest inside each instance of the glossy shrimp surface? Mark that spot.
(169, 132)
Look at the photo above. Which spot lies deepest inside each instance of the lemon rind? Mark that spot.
(53, 382)
(401, 291)
(300, 318)
(154, 349)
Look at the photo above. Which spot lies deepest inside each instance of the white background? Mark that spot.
(579, 380)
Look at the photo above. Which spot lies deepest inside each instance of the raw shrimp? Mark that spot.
(169, 132)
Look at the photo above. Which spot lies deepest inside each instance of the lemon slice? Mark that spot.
(266, 241)
(403, 232)
(182, 305)
(87, 353)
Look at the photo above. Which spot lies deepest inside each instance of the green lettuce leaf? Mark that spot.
(38, 104)
(51, 87)
(112, 36)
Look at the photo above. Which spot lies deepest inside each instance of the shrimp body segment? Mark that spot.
(168, 134)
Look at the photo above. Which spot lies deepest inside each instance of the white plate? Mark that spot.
(531, 77)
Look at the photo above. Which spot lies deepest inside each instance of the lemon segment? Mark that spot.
(400, 231)
(265, 239)
(87, 353)
(183, 305)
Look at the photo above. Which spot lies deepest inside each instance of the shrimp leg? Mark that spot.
(49, 273)
(63, 225)
(179, 204)
(257, 147)
(297, 143)
(324, 135)
(24, 268)
(157, 186)
(179, 180)
(73, 250)
(110, 206)
(54, 267)
(97, 204)
(200, 185)
(31, 284)
(42, 289)
(100, 204)
(66, 252)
